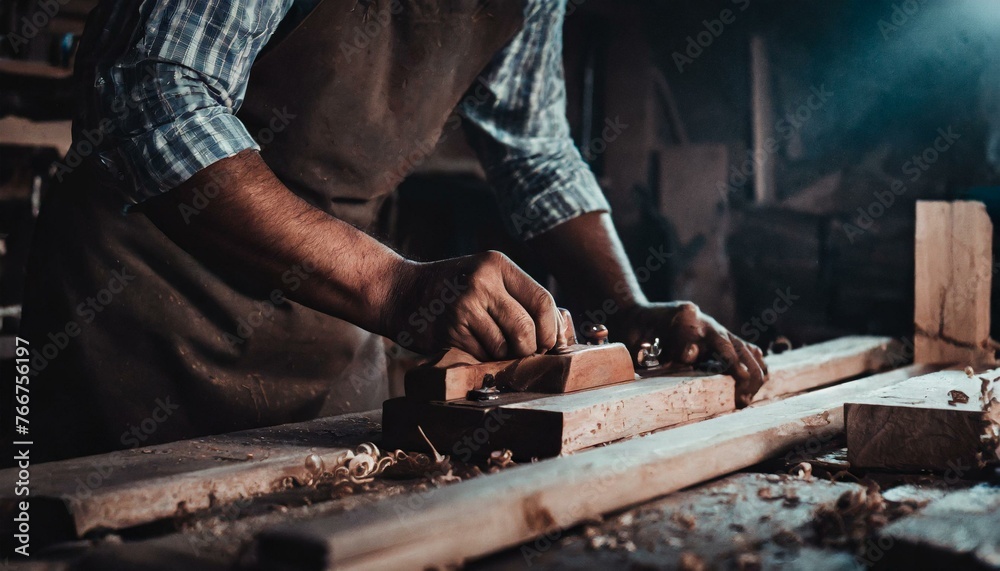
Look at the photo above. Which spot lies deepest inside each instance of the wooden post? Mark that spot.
(954, 267)
(763, 121)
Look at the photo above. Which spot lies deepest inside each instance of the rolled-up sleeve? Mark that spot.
(516, 122)
(169, 98)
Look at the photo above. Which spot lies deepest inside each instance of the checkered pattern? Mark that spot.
(170, 76)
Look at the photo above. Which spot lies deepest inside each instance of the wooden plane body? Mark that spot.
(575, 368)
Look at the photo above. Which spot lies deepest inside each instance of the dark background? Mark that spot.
(894, 73)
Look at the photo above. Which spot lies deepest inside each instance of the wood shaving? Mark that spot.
(691, 562)
(957, 397)
(765, 494)
(851, 519)
(802, 471)
(748, 562)
(788, 538)
(685, 520)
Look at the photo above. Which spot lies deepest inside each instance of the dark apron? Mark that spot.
(136, 342)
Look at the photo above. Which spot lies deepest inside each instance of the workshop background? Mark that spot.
(770, 152)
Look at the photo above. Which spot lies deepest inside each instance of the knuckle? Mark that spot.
(494, 258)
(687, 307)
(544, 299)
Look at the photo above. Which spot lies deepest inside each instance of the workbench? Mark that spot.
(768, 516)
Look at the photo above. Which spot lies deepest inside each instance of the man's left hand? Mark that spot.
(687, 337)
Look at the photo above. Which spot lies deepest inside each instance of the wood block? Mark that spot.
(967, 300)
(932, 264)
(953, 275)
(919, 424)
(123, 489)
(580, 367)
(566, 423)
(448, 525)
(589, 418)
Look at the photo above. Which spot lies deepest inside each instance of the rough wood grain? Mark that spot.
(448, 525)
(141, 485)
(567, 423)
(911, 426)
(581, 367)
(953, 275)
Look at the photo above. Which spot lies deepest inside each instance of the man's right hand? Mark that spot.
(483, 304)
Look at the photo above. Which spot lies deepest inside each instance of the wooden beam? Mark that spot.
(567, 423)
(580, 367)
(132, 487)
(448, 525)
(824, 363)
(953, 267)
(18, 131)
(932, 423)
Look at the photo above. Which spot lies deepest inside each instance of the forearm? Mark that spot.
(588, 261)
(255, 225)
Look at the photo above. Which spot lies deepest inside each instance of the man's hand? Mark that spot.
(593, 271)
(483, 304)
(687, 337)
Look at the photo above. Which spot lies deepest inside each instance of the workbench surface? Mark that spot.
(760, 518)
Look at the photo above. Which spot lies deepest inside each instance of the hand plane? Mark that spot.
(453, 396)
(571, 367)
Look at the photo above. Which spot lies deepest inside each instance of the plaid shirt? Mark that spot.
(164, 79)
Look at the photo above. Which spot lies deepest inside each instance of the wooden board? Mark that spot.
(581, 367)
(567, 423)
(473, 518)
(141, 485)
(818, 365)
(24, 132)
(953, 274)
(912, 426)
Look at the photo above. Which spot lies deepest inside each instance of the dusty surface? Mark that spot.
(745, 521)
(793, 518)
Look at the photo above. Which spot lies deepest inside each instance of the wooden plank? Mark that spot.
(571, 422)
(953, 275)
(919, 425)
(590, 418)
(24, 132)
(824, 363)
(580, 367)
(132, 487)
(448, 525)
